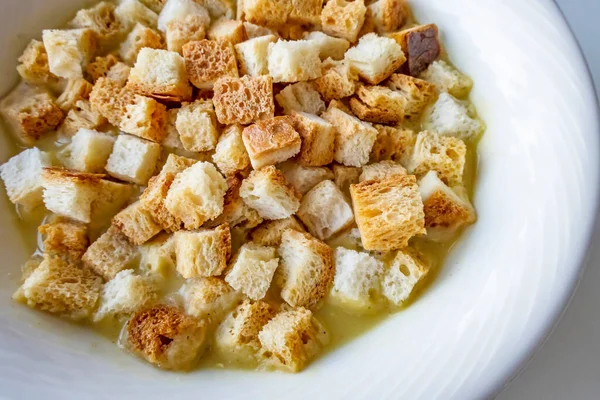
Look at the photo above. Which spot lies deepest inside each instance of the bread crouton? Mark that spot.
(417, 93)
(325, 211)
(61, 287)
(230, 154)
(244, 100)
(81, 116)
(89, 151)
(202, 253)
(268, 192)
(141, 36)
(306, 270)
(356, 285)
(64, 238)
(304, 178)
(291, 339)
(354, 138)
(253, 55)
(160, 74)
(378, 104)
(252, 269)
(100, 66)
(157, 256)
(402, 275)
(271, 141)
(255, 31)
(133, 159)
(166, 337)
(131, 12)
(26, 270)
(420, 45)
(448, 79)
(180, 9)
(208, 60)
(69, 51)
(33, 65)
(381, 170)
(329, 46)
(318, 139)
(343, 19)
(338, 80)
(388, 15)
(196, 195)
(197, 126)
(111, 198)
(209, 298)
(144, 117)
(444, 154)
(172, 139)
(22, 176)
(300, 97)
(102, 20)
(110, 99)
(227, 30)
(394, 144)
(388, 212)
(306, 12)
(76, 89)
(450, 117)
(154, 5)
(271, 13)
(125, 294)
(375, 57)
(294, 61)
(30, 112)
(136, 223)
(110, 254)
(345, 176)
(183, 30)
(269, 233)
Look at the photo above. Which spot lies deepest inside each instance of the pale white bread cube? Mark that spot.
(89, 151)
(102, 20)
(357, 282)
(141, 36)
(181, 31)
(329, 46)
(197, 126)
(255, 31)
(381, 170)
(448, 79)
(69, 51)
(209, 298)
(253, 55)
(157, 256)
(202, 253)
(293, 61)
(179, 9)
(268, 192)
(22, 176)
(228, 30)
(291, 339)
(446, 209)
(301, 97)
(402, 275)
(450, 117)
(345, 176)
(343, 19)
(196, 195)
(269, 233)
(375, 57)
(306, 269)
(252, 269)
(230, 154)
(63, 287)
(132, 12)
(302, 178)
(125, 294)
(137, 223)
(325, 211)
(271, 141)
(110, 254)
(318, 139)
(133, 159)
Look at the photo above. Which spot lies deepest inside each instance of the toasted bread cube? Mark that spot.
(160, 74)
(132, 12)
(253, 55)
(30, 112)
(158, 256)
(197, 126)
(252, 270)
(325, 211)
(209, 298)
(208, 60)
(244, 100)
(227, 30)
(418, 94)
(450, 117)
(293, 61)
(33, 65)
(69, 51)
(202, 253)
(22, 176)
(136, 223)
(65, 239)
(304, 178)
(388, 212)
(446, 209)
(196, 195)
(389, 15)
(291, 339)
(354, 138)
(166, 337)
(89, 151)
(306, 270)
(375, 57)
(271, 141)
(300, 97)
(110, 99)
(140, 37)
(343, 19)
(356, 285)
(318, 139)
(60, 286)
(255, 31)
(183, 30)
(101, 19)
(381, 170)
(230, 154)
(100, 66)
(133, 159)
(269, 233)
(444, 154)
(420, 45)
(448, 79)
(76, 89)
(394, 144)
(268, 192)
(237, 337)
(145, 118)
(180, 9)
(110, 254)
(378, 104)
(267, 12)
(81, 116)
(305, 12)
(345, 176)
(338, 80)
(125, 294)
(402, 275)
(329, 46)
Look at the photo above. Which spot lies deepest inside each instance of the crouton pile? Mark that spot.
(222, 179)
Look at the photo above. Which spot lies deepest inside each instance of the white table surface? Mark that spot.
(567, 367)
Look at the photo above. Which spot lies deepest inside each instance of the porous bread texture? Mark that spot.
(329, 46)
(110, 254)
(343, 19)
(209, 298)
(154, 5)
(64, 238)
(22, 176)
(141, 36)
(230, 153)
(318, 139)
(119, 73)
(303, 178)
(268, 192)
(110, 99)
(145, 118)
(137, 223)
(381, 170)
(208, 60)
(375, 57)
(69, 51)
(448, 79)
(417, 94)
(183, 30)
(394, 144)
(402, 275)
(451, 117)
(338, 80)
(388, 15)
(202, 253)
(252, 55)
(271, 141)
(269, 233)
(172, 139)
(133, 159)
(252, 270)
(100, 66)
(244, 100)
(33, 66)
(301, 97)
(197, 126)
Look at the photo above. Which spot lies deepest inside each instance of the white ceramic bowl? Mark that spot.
(501, 291)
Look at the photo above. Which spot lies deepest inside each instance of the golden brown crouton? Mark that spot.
(417, 93)
(272, 13)
(252, 270)
(145, 118)
(204, 252)
(244, 100)
(141, 36)
(230, 154)
(100, 66)
(388, 15)
(268, 192)
(394, 144)
(208, 60)
(306, 12)
(271, 141)
(33, 65)
(110, 99)
(65, 238)
(421, 46)
(337, 81)
(197, 126)
(343, 19)
(110, 254)
(136, 223)
(378, 104)
(444, 154)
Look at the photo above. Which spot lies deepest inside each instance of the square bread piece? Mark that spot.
(304, 178)
(100, 66)
(80, 117)
(417, 94)
(266, 12)
(253, 55)
(325, 211)
(179, 9)
(110, 254)
(209, 298)
(183, 30)
(102, 20)
(196, 195)
(343, 19)
(202, 253)
(33, 66)
(69, 51)
(109, 98)
(378, 104)
(89, 151)
(197, 126)
(230, 154)
(268, 192)
(301, 97)
(420, 45)
(354, 138)
(75, 90)
(375, 57)
(447, 79)
(306, 270)
(345, 176)
(318, 139)
(136, 223)
(388, 212)
(338, 80)
(244, 100)
(64, 238)
(132, 12)
(389, 15)
(329, 46)
(271, 141)
(141, 36)
(305, 12)
(394, 144)
(227, 30)
(269, 233)
(294, 61)
(252, 270)
(450, 117)
(160, 74)
(145, 117)
(208, 60)
(402, 275)
(22, 176)
(133, 159)
(381, 170)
